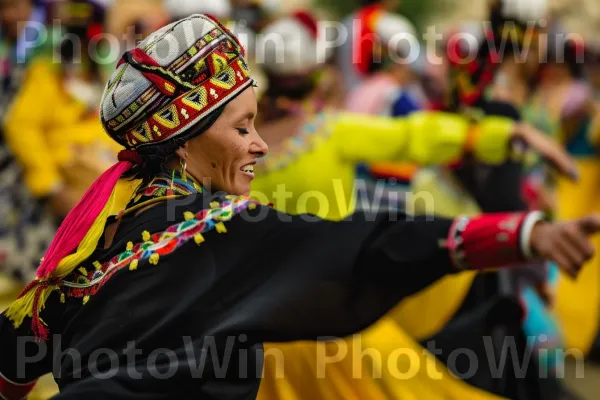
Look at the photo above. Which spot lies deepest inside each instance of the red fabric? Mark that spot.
(162, 84)
(13, 391)
(131, 156)
(309, 22)
(363, 47)
(94, 30)
(487, 241)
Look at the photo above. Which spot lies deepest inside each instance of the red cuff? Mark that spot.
(487, 241)
(10, 390)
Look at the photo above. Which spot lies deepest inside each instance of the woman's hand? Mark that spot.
(548, 149)
(566, 243)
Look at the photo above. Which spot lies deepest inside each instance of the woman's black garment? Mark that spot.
(192, 326)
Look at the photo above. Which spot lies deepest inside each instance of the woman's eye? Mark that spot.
(243, 131)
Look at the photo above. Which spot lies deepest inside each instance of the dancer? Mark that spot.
(311, 168)
(572, 100)
(492, 85)
(62, 147)
(26, 226)
(184, 267)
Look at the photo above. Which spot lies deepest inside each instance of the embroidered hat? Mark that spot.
(172, 80)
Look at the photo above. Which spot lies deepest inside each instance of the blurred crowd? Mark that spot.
(56, 56)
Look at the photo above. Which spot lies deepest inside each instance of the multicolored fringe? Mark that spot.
(86, 282)
(83, 283)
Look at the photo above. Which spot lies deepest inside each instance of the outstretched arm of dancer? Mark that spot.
(320, 278)
(431, 138)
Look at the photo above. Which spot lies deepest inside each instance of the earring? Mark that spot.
(183, 164)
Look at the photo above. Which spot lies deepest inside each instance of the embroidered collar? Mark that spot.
(85, 282)
(162, 187)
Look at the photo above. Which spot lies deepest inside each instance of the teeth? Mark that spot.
(248, 168)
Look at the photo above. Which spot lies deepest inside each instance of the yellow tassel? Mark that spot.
(129, 246)
(145, 236)
(154, 259)
(97, 265)
(87, 245)
(83, 271)
(188, 215)
(86, 299)
(198, 238)
(21, 308)
(214, 204)
(252, 206)
(221, 227)
(62, 298)
(133, 266)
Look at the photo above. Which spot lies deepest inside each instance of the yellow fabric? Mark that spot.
(320, 181)
(577, 301)
(427, 312)
(23, 307)
(321, 178)
(55, 139)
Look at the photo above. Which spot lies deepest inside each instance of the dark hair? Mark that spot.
(292, 87)
(569, 55)
(155, 156)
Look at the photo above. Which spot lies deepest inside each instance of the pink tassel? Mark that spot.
(81, 218)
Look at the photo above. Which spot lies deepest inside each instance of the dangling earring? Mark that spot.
(183, 164)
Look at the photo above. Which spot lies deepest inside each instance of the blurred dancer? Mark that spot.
(571, 100)
(391, 91)
(26, 227)
(314, 150)
(61, 146)
(369, 30)
(493, 84)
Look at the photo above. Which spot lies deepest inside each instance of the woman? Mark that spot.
(575, 107)
(64, 136)
(26, 227)
(193, 267)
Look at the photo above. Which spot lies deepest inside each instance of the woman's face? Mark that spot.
(223, 157)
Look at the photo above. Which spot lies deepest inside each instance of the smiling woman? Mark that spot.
(184, 271)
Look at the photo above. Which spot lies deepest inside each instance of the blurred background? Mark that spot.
(57, 55)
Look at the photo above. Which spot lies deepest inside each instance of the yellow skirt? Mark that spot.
(578, 301)
(381, 363)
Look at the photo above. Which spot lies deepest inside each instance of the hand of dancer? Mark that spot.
(548, 149)
(566, 243)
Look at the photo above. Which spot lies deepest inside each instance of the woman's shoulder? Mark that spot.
(153, 236)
